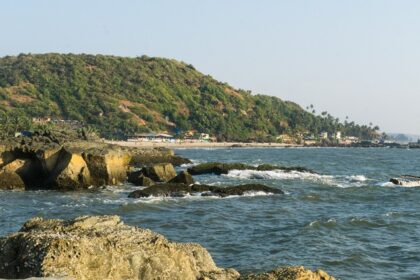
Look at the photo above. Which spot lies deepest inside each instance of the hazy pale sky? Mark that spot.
(353, 58)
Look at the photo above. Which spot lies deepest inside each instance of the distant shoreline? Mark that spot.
(198, 145)
(201, 144)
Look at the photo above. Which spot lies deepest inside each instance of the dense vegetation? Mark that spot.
(120, 96)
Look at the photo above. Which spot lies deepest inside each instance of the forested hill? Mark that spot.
(121, 96)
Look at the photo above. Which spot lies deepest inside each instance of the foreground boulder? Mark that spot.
(224, 168)
(180, 190)
(290, 273)
(102, 247)
(162, 172)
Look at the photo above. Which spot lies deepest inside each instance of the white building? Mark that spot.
(323, 135)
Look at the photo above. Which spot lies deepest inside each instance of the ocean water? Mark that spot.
(347, 219)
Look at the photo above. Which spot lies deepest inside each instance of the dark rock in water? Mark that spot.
(269, 167)
(174, 190)
(137, 178)
(183, 177)
(406, 181)
(162, 172)
(290, 273)
(217, 168)
(224, 168)
(177, 160)
(242, 189)
(147, 157)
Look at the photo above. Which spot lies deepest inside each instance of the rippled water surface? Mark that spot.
(347, 220)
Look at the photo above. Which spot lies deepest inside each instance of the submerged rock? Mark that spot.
(177, 190)
(224, 168)
(183, 177)
(162, 172)
(102, 247)
(290, 273)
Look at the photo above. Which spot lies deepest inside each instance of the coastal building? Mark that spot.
(337, 135)
(151, 137)
(204, 137)
(323, 135)
(41, 120)
(348, 140)
(285, 139)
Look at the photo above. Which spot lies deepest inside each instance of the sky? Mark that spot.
(358, 58)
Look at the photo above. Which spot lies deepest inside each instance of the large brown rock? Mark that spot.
(70, 173)
(20, 174)
(102, 247)
(49, 156)
(107, 166)
(9, 176)
(162, 172)
(290, 273)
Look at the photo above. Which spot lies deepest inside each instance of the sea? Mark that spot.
(347, 219)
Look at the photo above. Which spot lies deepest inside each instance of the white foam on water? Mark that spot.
(194, 162)
(357, 178)
(337, 181)
(257, 193)
(275, 174)
(387, 184)
(392, 185)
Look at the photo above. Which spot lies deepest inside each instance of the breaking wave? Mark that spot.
(338, 181)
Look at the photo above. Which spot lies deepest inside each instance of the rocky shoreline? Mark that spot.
(103, 247)
(41, 163)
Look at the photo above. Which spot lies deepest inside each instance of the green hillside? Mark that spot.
(120, 96)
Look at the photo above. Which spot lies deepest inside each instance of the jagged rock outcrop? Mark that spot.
(102, 247)
(48, 163)
(224, 168)
(180, 190)
(183, 178)
(290, 273)
(161, 172)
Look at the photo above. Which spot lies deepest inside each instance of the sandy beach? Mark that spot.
(175, 145)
